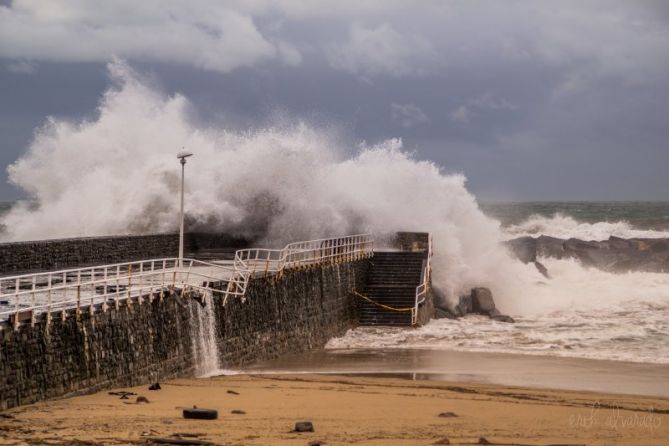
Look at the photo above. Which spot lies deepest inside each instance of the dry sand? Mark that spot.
(344, 410)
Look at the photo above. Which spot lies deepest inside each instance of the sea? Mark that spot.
(619, 317)
(578, 313)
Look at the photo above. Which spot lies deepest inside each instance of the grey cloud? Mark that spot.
(531, 100)
(408, 114)
(21, 67)
(203, 34)
(382, 51)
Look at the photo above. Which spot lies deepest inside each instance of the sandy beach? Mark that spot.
(344, 410)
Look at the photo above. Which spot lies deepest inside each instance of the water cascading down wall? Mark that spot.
(146, 340)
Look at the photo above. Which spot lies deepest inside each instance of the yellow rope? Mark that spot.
(400, 310)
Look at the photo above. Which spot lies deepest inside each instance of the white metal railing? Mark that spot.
(249, 262)
(424, 287)
(24, 296)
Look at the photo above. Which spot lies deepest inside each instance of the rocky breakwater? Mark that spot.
(616, 254)
(478, 301)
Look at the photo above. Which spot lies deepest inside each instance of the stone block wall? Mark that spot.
(131, 345)
(299, 312)
(142, 342)
(412, 241)
(19, 257)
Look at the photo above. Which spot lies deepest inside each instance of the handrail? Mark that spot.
(249, 262)
(423, 288)
(25, 295)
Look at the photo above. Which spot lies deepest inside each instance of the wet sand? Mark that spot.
(344, 410)
(491, 368)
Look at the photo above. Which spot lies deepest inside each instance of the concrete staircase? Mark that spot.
(392, 281)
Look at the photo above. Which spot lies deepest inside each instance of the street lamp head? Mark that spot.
(184, 154)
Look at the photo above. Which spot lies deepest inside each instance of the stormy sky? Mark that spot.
(530, 99)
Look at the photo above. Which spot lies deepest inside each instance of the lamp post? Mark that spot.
(182, 157)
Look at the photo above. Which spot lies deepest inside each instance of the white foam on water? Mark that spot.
(580, 312)
(563, 226)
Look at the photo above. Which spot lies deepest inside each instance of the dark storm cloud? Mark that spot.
(530, 99)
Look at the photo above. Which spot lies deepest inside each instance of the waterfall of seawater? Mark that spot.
(203, 324)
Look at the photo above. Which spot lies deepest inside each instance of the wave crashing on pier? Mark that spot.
(116, 173)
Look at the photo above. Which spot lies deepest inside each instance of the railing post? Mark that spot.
(104, 290)
(141, 271)
(16, 303)
(162, 283)
(32, 302)
(118, 286)
(129, 291)
(92, 291)
(151, 284)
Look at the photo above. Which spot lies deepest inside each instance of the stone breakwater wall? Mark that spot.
(301, 311)
(18, 257)
(142, 342)
(131, 345)
(616, 254)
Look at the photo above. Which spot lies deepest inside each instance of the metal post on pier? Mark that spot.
(182, 157)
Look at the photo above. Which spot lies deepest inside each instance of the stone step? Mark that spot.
(392, 281)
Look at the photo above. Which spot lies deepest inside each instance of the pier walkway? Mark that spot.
(95, 288)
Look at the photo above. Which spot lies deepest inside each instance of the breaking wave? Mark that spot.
(563, 226)
(117, 173)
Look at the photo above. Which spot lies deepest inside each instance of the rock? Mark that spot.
(542, 269)
(141, 399)
(524, 249)
(315, 443)
(464, 305)
(304, 426)
(442, 441)
(443, 313)
(439, 297)
(155, 386)
(447, 415)
(503, 318)
(482, 301)
(232, 392)
(237, 412)
(550, 247)
(483, 440)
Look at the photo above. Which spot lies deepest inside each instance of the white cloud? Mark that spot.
(203, 33)
(382, 50)
(462, 115)
(491, 102)
(408, 115)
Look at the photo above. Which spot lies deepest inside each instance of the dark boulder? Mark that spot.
(495, 315)
(550, 247)
(443, 313)
(464, 306)
(482, 301)
(304, 426)
(524, 248)
(478, 301)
